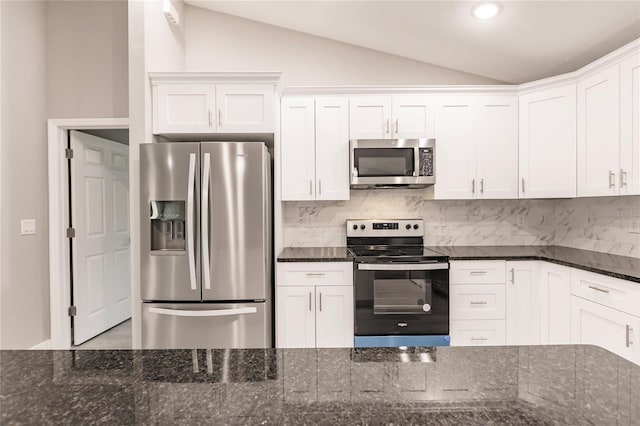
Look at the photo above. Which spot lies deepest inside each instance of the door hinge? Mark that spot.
(68, 153)
(72, 311)
(71, 232)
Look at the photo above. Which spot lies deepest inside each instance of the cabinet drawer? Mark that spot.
(612, 292)
(478, 272)
(478, 333)
(477, 301)
(314, 273)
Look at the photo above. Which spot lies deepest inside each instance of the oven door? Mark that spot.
(401, 299)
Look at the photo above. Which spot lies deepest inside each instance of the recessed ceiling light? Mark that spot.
(486, 10)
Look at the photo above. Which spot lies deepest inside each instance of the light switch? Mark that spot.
(28, 226)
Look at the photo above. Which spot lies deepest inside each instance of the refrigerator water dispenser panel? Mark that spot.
(167, 226)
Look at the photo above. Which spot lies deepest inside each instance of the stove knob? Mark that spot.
(362, 226)
(355, 227)
(408, 226)
(415, 226)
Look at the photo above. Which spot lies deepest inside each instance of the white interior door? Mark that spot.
(100, 248)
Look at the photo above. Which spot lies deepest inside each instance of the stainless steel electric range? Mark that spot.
(401, 288)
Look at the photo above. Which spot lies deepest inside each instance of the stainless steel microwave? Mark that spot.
(392, 163)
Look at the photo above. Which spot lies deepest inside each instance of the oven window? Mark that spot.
(371, 162)
(401, 296)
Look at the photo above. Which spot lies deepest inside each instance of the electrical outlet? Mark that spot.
(27, 226)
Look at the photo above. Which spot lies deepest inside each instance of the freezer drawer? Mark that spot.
(206, 325)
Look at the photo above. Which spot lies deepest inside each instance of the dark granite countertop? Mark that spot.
(443, 386)
(624, 267)
(315, 254)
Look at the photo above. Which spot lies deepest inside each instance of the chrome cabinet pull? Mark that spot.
(396, 126)
(309, 302)
(602, 290)
(319, 187)
(210, 118)
(629, 330)
(320, 302)
(479, 338)
(623, 178)
(522, 184)
(387, 127)
(473, 186)
(513, 276)
(612, 179)
(310, 187)
(481, 302)
(315, 274)
(478, 272)
(482, 186)
(219, 117)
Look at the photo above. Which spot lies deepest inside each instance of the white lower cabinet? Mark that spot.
(314, 305)
(595, 324)
(523, 303)
(477, 332)
(555, 302)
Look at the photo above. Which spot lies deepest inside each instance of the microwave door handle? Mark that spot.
(416, 163)
(402, 267)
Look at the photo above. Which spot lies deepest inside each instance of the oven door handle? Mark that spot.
(402, 266)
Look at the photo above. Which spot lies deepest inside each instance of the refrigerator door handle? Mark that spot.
(210, 313)
(206, 177)
(190, 226)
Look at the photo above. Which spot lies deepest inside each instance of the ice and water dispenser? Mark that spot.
(167, 226)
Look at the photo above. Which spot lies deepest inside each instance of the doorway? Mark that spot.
(89, 225)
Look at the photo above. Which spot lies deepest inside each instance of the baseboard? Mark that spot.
(43, 345)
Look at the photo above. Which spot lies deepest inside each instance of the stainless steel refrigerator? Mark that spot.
(206, 249)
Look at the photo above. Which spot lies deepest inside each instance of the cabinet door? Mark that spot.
(497, 147)
(629, 181)
(369, 117)
(599, 133)
(412, 117)
(245, 108)
(547, 154)
(297, 149)
(295, 317)
(523, 303)
(334, 316)
(455, 129)
(555, 304)
(594, 324)
(184, 108)
(332, 149)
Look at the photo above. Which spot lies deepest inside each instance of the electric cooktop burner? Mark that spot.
(394, 240)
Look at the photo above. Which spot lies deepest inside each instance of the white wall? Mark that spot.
(24, 298)
(219, 42)
(87, 59)
(62, 60)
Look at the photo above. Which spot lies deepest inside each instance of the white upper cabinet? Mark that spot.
(599, 133)
(184, 108)
(476, 147)
(629, 181)
(332, 148)
(497, 147)
(245, 108)
(547, 154)
(298, 149)
(315, 149)
(455, 148)
(390, 117)
(204, 103)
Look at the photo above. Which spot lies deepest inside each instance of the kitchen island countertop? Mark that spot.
(461, 385)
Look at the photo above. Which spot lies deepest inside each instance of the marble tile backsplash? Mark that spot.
(602, 224)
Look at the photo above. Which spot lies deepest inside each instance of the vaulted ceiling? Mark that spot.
(528, 40)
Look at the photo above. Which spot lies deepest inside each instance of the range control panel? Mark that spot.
(385, 228)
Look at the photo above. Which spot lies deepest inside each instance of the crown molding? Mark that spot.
(214, 77)
(400, 90)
